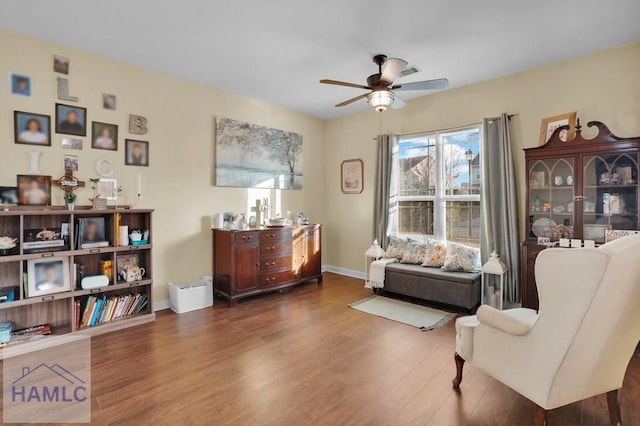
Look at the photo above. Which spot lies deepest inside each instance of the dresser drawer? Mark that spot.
(245, 237)
(275, 263)
(270, 280)
(275, 234)
(280, 247)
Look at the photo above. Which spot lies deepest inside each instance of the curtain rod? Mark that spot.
(509, 117)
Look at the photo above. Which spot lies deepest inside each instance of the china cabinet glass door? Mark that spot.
(551, 198)
(610, 194)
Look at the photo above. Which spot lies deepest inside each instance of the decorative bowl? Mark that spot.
(277, 221)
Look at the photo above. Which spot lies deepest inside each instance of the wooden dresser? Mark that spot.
(255, 261)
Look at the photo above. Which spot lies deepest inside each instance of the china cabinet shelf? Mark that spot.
(592, 165)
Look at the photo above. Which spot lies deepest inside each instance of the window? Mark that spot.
(436, 186)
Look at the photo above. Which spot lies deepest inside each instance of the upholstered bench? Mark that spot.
(461, 289)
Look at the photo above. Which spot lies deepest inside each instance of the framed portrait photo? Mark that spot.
(109, 101)
(60, 64)
(104, 136)
(8, 195)
(34, 190)
(136, 153)
(32, 129)
(108, 188)
(351, 176)
(20, 84)
(550, 124)
(71, 120)
(48, 275)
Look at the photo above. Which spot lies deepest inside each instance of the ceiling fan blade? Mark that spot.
(352, 100)
(398, 103)
(439, 83)
(344, 83)
(392, 68)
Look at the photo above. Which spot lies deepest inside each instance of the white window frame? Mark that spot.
(440, 198)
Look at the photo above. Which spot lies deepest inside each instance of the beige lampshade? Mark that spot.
(375, 250)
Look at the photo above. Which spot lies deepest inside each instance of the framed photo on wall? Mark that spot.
(550, 124)
(32, 129)
(108, 188)
(136, 153)
(104, 136)
(34, 190)
(71, 120)
(20, 84)
(352, 176)
(48, 275)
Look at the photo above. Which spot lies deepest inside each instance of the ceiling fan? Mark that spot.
(381, 86)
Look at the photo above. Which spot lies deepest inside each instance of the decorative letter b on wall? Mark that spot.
(137, 124)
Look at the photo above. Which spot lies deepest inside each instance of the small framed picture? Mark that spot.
(537, 179)
(71, 120)
(34, 190)
(71, 143)
(71, 162)
(351, 176)
(32, 129)
(104, 136)
(20, 84)
(123, 261)
(91, 233)
(60, 64)
(550, 124)
(136, 153)
(8, 195)
(595, 232)
(108, 188)
(109, 101)
(48, 275)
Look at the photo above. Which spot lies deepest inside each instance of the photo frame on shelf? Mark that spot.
(34, 190)
(71, 120)
(123, 261)
(108, 189)
(537, 179)
(352, 176)
(595, 232)
(8, 194)
(47, 276)
(31, 129)
(550, 124)
(91, 233)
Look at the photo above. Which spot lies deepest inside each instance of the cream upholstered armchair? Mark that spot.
(579, 343)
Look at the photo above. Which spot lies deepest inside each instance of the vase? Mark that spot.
(70, 206)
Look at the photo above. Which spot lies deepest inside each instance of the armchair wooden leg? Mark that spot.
(541, 416)
(459, 365)
(614, 407)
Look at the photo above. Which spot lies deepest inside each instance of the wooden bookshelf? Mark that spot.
(59, 309)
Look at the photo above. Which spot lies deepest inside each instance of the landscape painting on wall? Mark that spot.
(252, 156)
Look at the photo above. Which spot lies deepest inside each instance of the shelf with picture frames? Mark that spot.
(578, 189)
(41, 275)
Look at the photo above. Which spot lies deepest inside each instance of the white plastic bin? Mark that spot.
(189, 297)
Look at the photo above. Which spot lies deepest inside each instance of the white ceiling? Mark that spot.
(277, 50)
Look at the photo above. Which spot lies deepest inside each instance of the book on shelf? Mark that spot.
(94, 244)
(38, 240)
(8, 294)
(28, 334)
(100, 310)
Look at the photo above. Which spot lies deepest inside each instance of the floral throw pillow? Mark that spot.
(435, 254)
(461, 258)
(396, 247)
(414, 253)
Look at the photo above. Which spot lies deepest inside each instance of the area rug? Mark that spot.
(407, 313)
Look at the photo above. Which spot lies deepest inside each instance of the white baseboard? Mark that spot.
(346, 272)
(160, 305)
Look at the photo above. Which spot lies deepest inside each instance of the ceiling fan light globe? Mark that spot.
(380, 100)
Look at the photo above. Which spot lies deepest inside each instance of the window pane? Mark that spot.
(415, 217)
(417, 167)
(463, 222)
(462, 162)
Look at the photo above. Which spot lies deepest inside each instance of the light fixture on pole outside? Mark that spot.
(380, 100)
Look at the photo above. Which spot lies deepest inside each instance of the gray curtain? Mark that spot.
(383, 188)
(499, 206)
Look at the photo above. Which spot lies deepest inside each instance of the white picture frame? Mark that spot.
(108, 189)
(47, 276)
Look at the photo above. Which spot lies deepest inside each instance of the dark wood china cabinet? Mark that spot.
(578, 189)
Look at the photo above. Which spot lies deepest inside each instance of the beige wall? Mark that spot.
(178, 183)
(603, 87)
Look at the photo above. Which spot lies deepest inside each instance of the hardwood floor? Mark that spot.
(305, 358)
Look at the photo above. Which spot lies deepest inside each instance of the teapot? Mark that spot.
(133, 273)
(135, 235)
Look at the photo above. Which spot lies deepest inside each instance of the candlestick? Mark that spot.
(139, 185)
